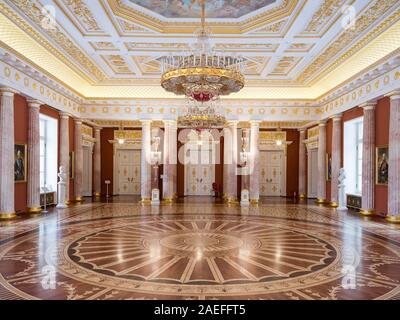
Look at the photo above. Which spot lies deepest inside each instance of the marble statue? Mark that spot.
(62, 175)
(342, 191)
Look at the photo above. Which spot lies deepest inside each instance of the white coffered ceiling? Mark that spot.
(114, 46)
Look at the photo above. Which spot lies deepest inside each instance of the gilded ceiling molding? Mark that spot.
(32, 11)
(82, 13)
(126, 12)
(323, 15)
(361, 24)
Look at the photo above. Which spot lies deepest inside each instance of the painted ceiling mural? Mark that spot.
(214, 8)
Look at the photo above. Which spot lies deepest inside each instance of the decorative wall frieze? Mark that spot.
(370, 85)
(32, 83)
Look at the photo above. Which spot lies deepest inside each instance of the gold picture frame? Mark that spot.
(20, 162)
(382, 165)
(328, 167)
(71, 165)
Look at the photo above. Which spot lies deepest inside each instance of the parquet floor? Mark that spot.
(199, 250)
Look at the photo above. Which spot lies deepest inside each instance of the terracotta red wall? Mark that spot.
(71, 148)
(292, 170)
(329, 132)
(21, 136)
(382, 113)
(107, 165)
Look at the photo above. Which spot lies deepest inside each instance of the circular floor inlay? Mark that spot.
(190, 251)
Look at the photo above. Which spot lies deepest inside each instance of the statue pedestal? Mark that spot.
(155, 197)
(342, 192)
(244, 198)
(61, 196)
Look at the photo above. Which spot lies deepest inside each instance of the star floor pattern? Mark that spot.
(199, 251)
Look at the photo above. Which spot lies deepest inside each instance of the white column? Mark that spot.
(170, 156)
(368, 160)
(336, 158)
(146, 162)
(64, 149)
(33, 191)
(7, 209)
(232, 167)
(254, 190)
(174, 157)
(227, 158)
(78, 178)
(394, 159)
(321, 194)
(302, 165)
(97, 163)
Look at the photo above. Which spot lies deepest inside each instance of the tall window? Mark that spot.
(353, 149)
(359, 148)
(48, 152)
(43, 138)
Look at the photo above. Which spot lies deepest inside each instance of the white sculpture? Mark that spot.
(342, 191)
(62, 188)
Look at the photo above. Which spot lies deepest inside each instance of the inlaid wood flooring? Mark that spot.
(199, 251)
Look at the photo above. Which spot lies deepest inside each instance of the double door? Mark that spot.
(199, 173)
(128, 174)
(271, 173)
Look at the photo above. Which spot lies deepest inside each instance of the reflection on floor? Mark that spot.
(199, 249)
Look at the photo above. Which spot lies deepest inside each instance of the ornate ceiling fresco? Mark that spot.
(294, 49)
(215, 8)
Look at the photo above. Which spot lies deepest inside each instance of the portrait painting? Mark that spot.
(192, 9)
(71, 164)
(328, 167)
(20, 162)
(382, 165)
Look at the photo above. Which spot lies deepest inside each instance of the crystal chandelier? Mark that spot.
(202, 75)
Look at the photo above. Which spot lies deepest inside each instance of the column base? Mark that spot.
(302, 196)
(168, 201)
(7, 215)
(145, 201)
(232, 201)
(35, 210)
(366, 212)
(97, 194)
(68, 202)
(393, 219)
(333, 204)
(320, 201)
(78, 199)
(254, 201)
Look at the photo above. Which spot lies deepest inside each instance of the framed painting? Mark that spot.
(71, 164)
(20, 162)
(382, 165)
(328, 167)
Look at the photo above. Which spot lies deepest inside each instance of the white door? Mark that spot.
(312, 173)
(87, 172)
(199, 175)
(128, 162)
(271, 173)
